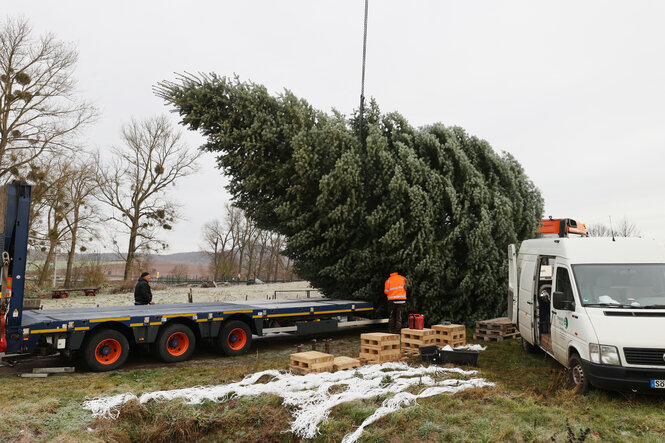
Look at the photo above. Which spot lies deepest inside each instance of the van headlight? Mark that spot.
(609, 355)
(605, 354)
(594, 352)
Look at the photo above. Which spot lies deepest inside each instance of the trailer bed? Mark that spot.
(61, 320)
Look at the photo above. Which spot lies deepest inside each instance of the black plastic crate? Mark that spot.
(459, 357)
(429, 353)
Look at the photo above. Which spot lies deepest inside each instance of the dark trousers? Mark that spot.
(395, 322)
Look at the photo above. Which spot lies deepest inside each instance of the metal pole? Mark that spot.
(362, 82)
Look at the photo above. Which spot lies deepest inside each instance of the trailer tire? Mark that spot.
(105, 350)
(176, 342)
(235, 338)
(577, 376)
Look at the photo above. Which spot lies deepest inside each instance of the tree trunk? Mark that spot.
(44, 274)
(72, 250)
(130, 251)
(242, 255)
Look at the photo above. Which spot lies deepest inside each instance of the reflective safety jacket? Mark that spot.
(395, 287)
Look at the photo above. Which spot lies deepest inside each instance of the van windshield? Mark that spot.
(621, 285)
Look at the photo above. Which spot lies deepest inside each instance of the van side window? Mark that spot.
(563, 283)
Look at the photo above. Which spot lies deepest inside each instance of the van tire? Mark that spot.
(578, 379)
(528, 347)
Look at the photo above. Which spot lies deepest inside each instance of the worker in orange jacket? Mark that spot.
(395, 289)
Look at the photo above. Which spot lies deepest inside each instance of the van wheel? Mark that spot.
(176, 342)
(577, 376)
(528, 347)
(105, 350)
(235, 338)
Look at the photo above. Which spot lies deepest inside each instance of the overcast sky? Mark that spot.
(574, 90)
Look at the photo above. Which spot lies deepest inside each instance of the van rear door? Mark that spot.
(513, 293)
(526, 288)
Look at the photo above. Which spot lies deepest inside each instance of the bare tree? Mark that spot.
(133, 183)
(624, 228)
(39, 110)
(217, 239)
(81, 189)
(57, 205)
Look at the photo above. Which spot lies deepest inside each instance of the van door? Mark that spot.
(513, 294)
(561, 318)
(527, 279)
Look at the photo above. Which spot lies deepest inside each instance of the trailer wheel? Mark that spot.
(105, 350)
(577, 377)
(176, 342)
(235, 338)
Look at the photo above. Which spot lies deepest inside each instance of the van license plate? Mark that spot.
(658, 384)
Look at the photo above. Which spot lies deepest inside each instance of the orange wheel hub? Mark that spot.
(237, 339)
(177, 344)
(108, 351)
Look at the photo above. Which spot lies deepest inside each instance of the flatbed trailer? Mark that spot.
(104, 336)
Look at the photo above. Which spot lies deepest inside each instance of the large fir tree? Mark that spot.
(434, 203)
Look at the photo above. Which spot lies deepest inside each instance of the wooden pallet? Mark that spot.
(378, 342)
(495, 337)
(500, 323)
(413, 339)
(505, 331)
(495, 329)
(342, 363)
(453, 335)
(381, 358)
(311, 361)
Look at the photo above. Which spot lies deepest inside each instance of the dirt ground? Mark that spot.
(179, 295)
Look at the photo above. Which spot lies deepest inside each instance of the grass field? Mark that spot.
(528, 403)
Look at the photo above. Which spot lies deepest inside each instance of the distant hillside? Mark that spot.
(187, 258)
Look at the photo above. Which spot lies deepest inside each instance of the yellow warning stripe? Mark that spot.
(287, 315)
(41, 331)
(99, 320)
(155, 323)
(364, 309)
(238, 312)
(82, 328)
(218, 318)
(201, 320)
(257, 316)
(135, 324)
(332, 312)
(178, 315)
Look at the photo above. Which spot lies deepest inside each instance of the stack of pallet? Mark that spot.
(452, 335)
(311, 361)
(414, 339)
(379, 347)
(496, 329)
(343, 363)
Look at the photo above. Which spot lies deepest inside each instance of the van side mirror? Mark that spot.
(559, 301)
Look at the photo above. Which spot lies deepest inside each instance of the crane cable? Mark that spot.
(362, 81)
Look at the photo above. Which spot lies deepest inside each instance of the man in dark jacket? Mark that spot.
(142, 292)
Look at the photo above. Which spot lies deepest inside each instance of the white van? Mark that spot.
(597, 305)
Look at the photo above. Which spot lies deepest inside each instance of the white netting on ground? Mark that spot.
(465, 347)
(311, 397)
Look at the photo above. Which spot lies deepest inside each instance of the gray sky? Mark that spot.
(574, 90)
